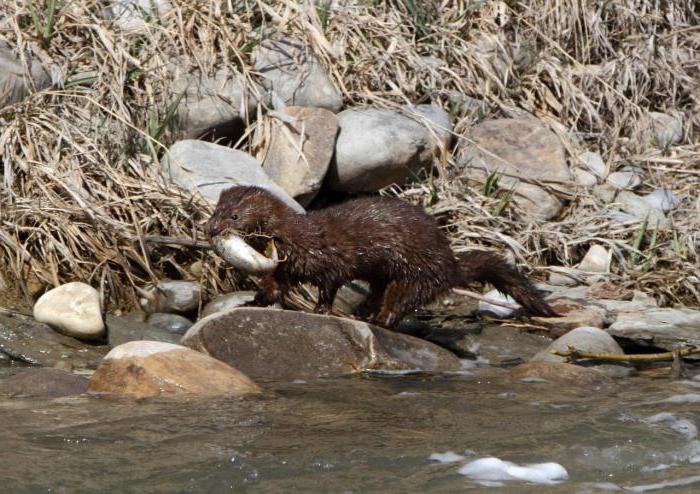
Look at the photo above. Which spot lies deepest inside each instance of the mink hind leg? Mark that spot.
(402, 297)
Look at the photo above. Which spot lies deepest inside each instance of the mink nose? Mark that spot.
(214, 228)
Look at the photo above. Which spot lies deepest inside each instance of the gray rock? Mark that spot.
(72, 309)
(295, 75)
(497, 310)
(172, 323)
(596, 260)
(667, 129)
(586, 339)
(121, 330)
(35, 343)
(624, 179)
(213, 106)
(519, 148)
(280, 344)
(132, 15)
(173, 296)
(376, 148)
(594, 163)
(665, 328)
(435, 120)
(224, 303)
(662, 199)
(562, 374)
(298, 149)
(209, 169)
(584, 177)
(560, 276)
(351, 296)
(43, 382)
(16, 81)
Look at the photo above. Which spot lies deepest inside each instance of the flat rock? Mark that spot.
(586, 315)
(275, 344)
(209, 168)
(121, 330)
(17, 80)
(141, 369)
(294, 75)
(661, 327)
(212, 106)
(519, 148)
(72, 309)
(172, 323)
(43, 382)
(298, 149)
(560, 373)
(228, 301)
(378, 147)
(35, 343)
(639, 208)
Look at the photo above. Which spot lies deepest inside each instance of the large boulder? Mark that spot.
(212, 107)
(35, 343)
(43, 382)
(18, 79)
(72, 309)
(279, 344)
(207, 168)
(661, 327)
(519, 149)
(378, 147)
(297, 149)
(295, 75)
(141, 369)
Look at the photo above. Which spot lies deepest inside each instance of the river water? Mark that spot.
(370, 433)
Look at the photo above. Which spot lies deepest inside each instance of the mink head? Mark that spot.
(245, 209)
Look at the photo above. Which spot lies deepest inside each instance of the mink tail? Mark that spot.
(482, 266)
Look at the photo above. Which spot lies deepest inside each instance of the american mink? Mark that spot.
(397, 247)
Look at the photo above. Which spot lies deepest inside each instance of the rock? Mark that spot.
(519, 148)
(212, 107)
(662, 199)
(172, 323)
(19, 77)
(209, 169)
(226, 302)
(35, 343)
(661, 327)
(275, 344)
(434, 118)
(173, 296)
(496, 310)
(43, 382)
(594, 163)
(566, 276)
(72, 309)
(587, 339)
(608, 290)
(667, 129)
(133, 15)
(121, 330)
(584, 177)
(624, 180)
(141, 369)
(298, 150)
(295, 75)
(596, 260)
(462, 103)
(351, 296)
(605, 192)
(560, 373)
(640, 209)
(376, 148)
(584, 316)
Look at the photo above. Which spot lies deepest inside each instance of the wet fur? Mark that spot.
(395, 246)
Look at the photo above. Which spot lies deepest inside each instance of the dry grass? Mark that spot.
(79, 162)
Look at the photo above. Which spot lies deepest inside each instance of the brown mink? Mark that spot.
(396, 247)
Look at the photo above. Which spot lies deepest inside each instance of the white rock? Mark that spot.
(585, 339)
(667, 129)
(662, 199)
(72, 309)
(594, 162)
(295, 75)
(210, 168)
(174, 296)
(596, 260)
(584, 177)
(624, 180)
(639, 208)
(497, 310)
(132, 15)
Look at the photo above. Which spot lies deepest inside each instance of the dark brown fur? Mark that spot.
(395, 246)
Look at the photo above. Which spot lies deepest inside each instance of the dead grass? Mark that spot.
(79, 161)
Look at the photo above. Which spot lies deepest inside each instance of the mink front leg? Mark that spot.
(326, 296)
(271, 290)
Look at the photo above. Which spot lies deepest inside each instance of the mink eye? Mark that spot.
(234, 217)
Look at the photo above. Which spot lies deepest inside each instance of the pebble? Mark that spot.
(72, 309)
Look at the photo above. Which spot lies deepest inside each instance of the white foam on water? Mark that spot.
(686, 398)
(495, 469)
(666, 484)
(448, 457)
(684, 427)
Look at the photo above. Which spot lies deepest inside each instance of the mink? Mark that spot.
(395, 246)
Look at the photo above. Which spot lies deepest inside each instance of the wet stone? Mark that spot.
(121, 330)
(43, 382)
(36, 343)
(562, 374)
(172, 323)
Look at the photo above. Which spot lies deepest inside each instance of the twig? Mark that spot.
(616, 357)
(161, 239)
(478, 296)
